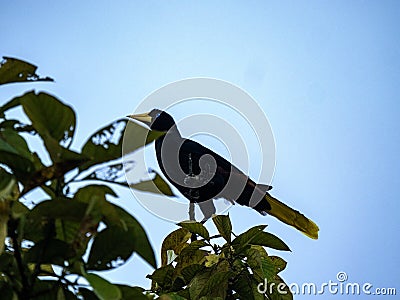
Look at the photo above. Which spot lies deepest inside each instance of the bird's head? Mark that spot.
(156, 119)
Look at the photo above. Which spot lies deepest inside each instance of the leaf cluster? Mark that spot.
(54, 246)
(194, 266)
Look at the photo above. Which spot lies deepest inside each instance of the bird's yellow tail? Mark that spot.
(291, 217)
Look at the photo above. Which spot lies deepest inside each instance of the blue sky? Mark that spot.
(325, 73)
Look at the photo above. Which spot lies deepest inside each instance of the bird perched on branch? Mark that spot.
(202, 175)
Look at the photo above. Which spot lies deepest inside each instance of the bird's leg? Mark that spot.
(192, 216)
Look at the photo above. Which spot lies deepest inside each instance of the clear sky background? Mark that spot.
(326, 73)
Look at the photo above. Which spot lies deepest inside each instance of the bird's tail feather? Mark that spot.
(291, 217)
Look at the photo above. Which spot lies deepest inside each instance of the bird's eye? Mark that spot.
(157, 115)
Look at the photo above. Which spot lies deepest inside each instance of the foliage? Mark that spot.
(51, 247)
(55, 246)
(201, 269)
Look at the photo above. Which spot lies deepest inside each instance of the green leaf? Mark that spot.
(195, 228)
(279, 263)
(135, 230)
(94, 193)
(112, 173)
(171, 296)
(261, 265)
(88, 294)
(49, 290)
(60, 154)
(111, 248)
(137, 136)
(16, 70)
(217, 285)
(68, 231)
(175, 241)
(14, 153)
(49, 116)
(57, 170)
(190, 257)
(9, 189)
(105, 144)
(193, 246)
(276, 294)
(7, 292)
(12, 142)
(224, 226)
(244, 239)
(9, 105)
(131, 292)
(50, 251)
(163, 276)
(243, 286)
(267, 239)
(66, 209)
(190, 271)
(198, 283)
(18, 210)
(156, 185)
(103, 288)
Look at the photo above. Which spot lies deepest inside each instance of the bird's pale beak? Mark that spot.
(144, 118)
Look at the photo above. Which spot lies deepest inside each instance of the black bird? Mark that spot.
(202, 175)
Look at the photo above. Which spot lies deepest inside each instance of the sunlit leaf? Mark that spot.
(279, 263)
(246, 287)
(163, 276)
(261, 265)
(216, 285)
(198, 283)
(280, 290)
(187, 258)
(244, 239)
(176, 241)
(224, 226)
(267, 239)
(16, 70)
(196, 228)
(193, 246)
